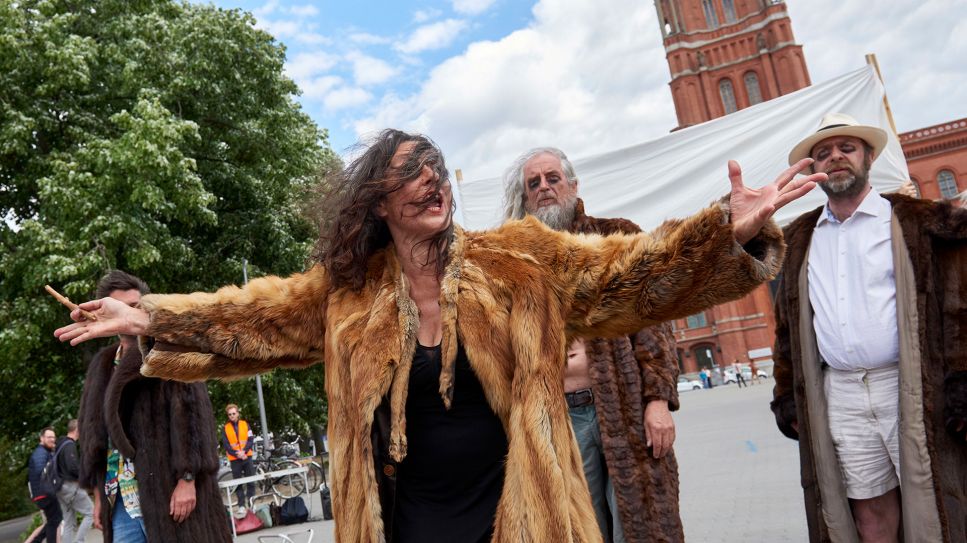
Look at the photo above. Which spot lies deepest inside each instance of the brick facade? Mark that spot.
(938, 155)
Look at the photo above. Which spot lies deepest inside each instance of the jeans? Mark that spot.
(52, 514)
(127, 529)
(247, 468)
(584, 420)
(73, 500)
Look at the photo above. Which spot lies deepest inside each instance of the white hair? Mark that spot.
(514, 194)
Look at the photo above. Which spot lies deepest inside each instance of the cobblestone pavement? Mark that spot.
(739, 476)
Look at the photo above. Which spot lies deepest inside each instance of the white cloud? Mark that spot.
(919, 45)
(265, 9)
(369, 70)
(432, 36)
(346, 97)
(424, 15)
(305, 10)
(471, 7)
(309, 64)
(280, 28)
(365, 38)
(318, 88)
(579, 77)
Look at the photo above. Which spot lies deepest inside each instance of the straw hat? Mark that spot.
(839, 124)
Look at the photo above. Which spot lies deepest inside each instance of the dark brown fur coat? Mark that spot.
(936, 238)
(627, 372)
(513, 297)
(168, 428)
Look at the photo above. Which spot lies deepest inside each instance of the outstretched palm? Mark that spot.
(752, 208)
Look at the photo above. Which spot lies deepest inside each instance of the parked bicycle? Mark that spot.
(283, 458)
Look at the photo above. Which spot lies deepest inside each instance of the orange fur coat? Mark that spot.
(513, 297)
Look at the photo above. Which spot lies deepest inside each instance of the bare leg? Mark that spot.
(878, 519)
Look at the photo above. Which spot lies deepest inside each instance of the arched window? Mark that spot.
(728, 6)
(711, 18)
(916, 187)
(752, 88)
(947, 184)
(728, 96)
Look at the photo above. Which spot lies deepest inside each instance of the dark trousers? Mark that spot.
(51, 509)
(741, 380)
(246, 468)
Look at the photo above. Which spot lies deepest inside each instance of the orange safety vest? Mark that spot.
(233, 439)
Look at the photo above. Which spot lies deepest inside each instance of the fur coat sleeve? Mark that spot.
(655, 353)
(237, 332)
(784, 402)
(619, 284)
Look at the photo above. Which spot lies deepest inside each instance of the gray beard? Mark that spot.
(848, 187)
(558, 217)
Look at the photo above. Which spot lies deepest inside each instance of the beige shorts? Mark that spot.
(863, 416)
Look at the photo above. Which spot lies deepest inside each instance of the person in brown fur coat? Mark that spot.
(443, 347)
(619, 391)
(871, 352)
(161, 432)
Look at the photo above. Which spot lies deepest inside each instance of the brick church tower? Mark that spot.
(726, 55)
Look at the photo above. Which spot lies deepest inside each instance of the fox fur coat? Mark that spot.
(628, 372)
(513, 297)
(930, 266)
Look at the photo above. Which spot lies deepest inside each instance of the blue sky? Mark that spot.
(488, 79)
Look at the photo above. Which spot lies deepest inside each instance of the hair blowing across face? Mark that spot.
(353, 231)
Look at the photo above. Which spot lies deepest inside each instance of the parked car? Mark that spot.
(685, 384)
(728, 375)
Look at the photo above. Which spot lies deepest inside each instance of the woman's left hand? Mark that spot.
(752, 208)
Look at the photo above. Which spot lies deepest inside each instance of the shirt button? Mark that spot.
(389, 470)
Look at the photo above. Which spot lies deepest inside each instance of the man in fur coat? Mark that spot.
(149, 450)
(871, 351)
(619, 391)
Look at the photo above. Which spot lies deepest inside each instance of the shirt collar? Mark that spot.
(873, 205)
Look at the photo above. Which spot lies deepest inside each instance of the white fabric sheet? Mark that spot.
(681, 173)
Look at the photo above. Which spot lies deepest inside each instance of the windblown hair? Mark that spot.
(119, 280)
(514, 193)
(354, 232)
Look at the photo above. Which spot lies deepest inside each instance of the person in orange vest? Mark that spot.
(237, 441)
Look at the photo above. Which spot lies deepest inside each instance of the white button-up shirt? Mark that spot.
(852, 287)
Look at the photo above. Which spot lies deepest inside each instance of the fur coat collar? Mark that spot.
(932, 314)
(513, 297)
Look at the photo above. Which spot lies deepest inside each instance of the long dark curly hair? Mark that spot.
(353, 231)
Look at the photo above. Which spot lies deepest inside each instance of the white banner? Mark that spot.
(681, 173)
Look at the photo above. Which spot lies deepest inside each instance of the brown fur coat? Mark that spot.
(935, 235)
(627, 372)
(513, 297)
(168, 428)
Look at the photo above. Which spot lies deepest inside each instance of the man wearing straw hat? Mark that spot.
(871, 351)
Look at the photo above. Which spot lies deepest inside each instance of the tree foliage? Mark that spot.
(157, 137)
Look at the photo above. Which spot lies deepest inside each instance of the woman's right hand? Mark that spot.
(114, 317)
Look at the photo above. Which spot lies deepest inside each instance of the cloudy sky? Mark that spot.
(488, 79)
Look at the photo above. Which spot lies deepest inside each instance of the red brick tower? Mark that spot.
(725, 55)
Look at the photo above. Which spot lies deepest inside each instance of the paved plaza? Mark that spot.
(739, 475)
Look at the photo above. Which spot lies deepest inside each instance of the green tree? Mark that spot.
(157, 137)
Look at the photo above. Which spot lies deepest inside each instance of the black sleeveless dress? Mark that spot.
(449, 483)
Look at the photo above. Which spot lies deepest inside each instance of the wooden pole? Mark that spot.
(458, 173)
(871, 60)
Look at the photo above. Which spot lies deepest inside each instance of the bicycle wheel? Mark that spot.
(231, 499)
(315, 476)
(288, 486)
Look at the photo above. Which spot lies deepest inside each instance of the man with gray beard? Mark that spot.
(619, 391)
(871, 351)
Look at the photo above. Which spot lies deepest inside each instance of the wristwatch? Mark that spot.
(188, 476)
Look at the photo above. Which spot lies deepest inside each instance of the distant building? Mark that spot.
(727, 55)
(937, 160)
